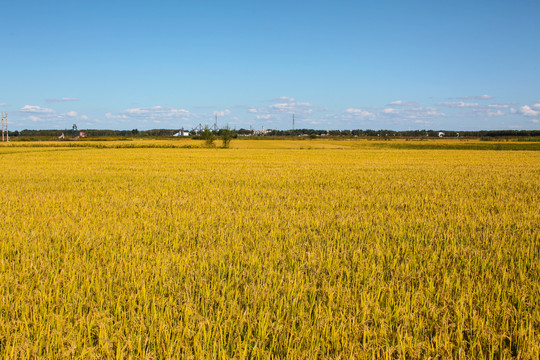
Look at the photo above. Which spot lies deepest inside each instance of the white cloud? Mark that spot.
(36, 113)
(291, 107)
(390, 116)
(63, 99)
(536, 106)
(150, 113)
(484, 97)
(84, 117)
(488, 111)
(495, 113)
(411, 113)
(458, 104)
(282, 111)
(279, 106)
(4, 104)
(535, 121)
(528, 111)
(475, 97)
(119, 116)
(404, 103)
(34, 109)
(222, 113)
(498, 106)
(359, 113)
(282, 99)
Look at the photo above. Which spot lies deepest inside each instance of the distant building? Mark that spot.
(182, 133)
(441, 134)
(261, 132)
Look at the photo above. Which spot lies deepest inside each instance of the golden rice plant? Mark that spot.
(293, 249)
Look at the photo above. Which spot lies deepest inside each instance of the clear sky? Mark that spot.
(456, 65)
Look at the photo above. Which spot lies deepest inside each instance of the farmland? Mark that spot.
(270, 249)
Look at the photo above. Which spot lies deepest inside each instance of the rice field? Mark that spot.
(274, 249)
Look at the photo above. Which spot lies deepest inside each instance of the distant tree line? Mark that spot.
(281, 133)
(93, 133)
(388, 133)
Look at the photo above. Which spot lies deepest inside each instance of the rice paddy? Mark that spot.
(271, 249)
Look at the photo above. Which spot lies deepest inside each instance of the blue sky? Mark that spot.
(456, 65)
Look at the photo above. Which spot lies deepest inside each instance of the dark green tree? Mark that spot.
(226, 136)
(208, 136)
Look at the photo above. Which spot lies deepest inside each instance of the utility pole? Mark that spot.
(293, 121)
(5, 127)
(215, 125)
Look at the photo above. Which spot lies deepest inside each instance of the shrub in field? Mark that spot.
(226, 136)
(208, 136)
